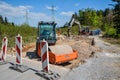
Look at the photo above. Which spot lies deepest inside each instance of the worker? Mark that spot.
(59, 31)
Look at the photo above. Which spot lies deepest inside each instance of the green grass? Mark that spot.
(74, 30)
(64, 30)
(112, 40)
(28, 33)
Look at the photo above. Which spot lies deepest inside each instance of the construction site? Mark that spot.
(94, 59)
(81, 49)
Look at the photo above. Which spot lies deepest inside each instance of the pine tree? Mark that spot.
(12, 23)
(1, 19)
(6, 20)
(116, 18)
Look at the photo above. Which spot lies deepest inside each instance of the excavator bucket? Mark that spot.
(61, 53)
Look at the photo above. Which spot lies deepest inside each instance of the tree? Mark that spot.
(12, 23)
(95, 18)
(100, 17)
(106, 12)
(6, 20)
(90, 17)
(81, 16)
(1, 19)
(116, 18)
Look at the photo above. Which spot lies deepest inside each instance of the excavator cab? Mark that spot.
(47, 31)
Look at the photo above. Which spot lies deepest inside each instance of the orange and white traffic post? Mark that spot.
(44, 56)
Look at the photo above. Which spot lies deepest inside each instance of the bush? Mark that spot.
(28, 33)
(74, 30)
(111, 32)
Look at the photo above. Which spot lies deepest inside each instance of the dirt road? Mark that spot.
(104, 65)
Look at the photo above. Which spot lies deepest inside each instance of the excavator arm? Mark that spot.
(73, 21)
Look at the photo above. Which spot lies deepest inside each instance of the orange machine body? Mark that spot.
(55, 58)
(62, 58)
(47, 31)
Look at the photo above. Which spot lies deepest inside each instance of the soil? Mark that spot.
(84, 47)
(100, 61)
(105, 65)
(80, 44)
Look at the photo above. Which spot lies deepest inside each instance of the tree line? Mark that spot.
(5, 20)
(107, 20)
(10, 30)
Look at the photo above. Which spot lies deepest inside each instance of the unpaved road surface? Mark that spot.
(34, 66)
(104, 65)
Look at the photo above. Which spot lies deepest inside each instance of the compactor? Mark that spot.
(57, 53)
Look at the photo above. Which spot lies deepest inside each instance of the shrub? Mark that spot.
(28, 33)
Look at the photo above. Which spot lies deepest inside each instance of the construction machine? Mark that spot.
(81, 30)
(72, 21)
(57, 53)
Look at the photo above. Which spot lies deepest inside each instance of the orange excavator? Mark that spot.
(57, 53)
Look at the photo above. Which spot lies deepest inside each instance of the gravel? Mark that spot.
(106, 66)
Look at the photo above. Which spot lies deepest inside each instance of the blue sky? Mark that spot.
(39, 10)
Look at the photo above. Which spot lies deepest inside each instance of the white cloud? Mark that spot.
(51, 7)
(17, 14)
(12, 11)
(69, 13)
(77, 4)
(39, 16)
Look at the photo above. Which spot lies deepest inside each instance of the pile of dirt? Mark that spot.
(25, 48)
(28, 46)
(85, 47)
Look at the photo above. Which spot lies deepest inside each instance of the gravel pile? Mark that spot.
(85, 49)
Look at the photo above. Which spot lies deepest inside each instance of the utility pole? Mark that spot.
(26, 17)
(53, 10)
